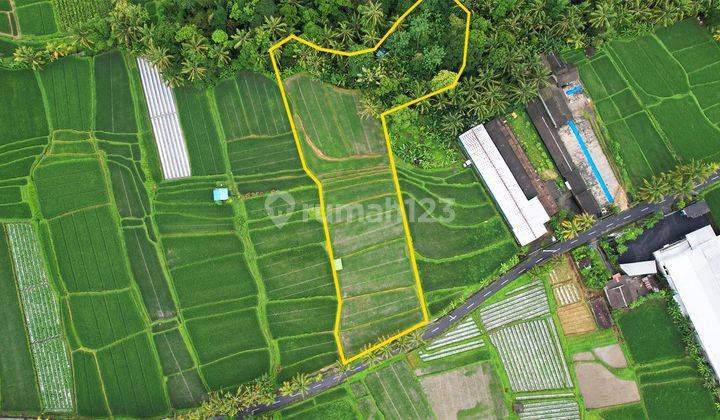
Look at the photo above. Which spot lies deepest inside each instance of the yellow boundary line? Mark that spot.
(383, 115)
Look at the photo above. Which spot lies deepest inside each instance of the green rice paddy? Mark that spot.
(657, 95)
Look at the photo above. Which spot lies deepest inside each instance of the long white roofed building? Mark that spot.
(165, 122)
(692, 268)
(526, 217)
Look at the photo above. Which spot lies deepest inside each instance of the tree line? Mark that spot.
(200, 41)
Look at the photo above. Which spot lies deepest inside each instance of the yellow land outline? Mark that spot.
(393, 170)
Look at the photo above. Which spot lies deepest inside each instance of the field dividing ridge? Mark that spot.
(321, 160)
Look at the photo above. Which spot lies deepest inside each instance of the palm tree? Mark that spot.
(569, 229)
(655, 190)
(584, 221)
(287, 388)
(159, 57)
(604, 15)
(275, 27)
(453, 123)
(372, 13)
(29, 56)
(193, 70)
(301, 383)
(197, 43)
(221, 53)
(240, 38)
(344, 33)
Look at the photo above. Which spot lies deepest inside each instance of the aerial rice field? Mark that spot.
(656, 95)
(162, 295)
(374, 258)
(670, 384)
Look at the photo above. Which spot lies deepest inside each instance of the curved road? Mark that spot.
(442, 324)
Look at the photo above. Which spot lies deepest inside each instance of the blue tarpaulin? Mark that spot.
(590, 160)
(572, 91)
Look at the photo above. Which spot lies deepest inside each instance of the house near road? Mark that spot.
(525, 215)
(692, 268)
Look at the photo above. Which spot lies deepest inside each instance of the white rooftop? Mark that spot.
(527, 218)
(639, 268)
(692, 267)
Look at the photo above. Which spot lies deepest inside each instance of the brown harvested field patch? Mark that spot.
(600, 388)
(576, 319)
(468, 391)
(563, 271)
(611, 355)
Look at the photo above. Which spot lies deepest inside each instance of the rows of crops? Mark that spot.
(532, 356)
(35, 18)
(287, 240)
(462, 338)
(369, 242)
(657, 94)
(397, 392)
(42, 318)
(525, 304)
(550, 410)
(74, 12)
(460, 239)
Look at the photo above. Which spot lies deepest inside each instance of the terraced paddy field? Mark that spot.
(370, 245)
(657, 95)
(160, 295)
(670, 384)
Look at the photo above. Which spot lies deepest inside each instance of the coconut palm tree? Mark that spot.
(344, 33)
(584, 221)
(301, 383)
(372, 14)
(287, 388)
(604, 15)
(275, 26)
(569, 229)
(453, 123)
(159, 57)
(29, 56)
(655, 190)
(193, 70)
(240, 38)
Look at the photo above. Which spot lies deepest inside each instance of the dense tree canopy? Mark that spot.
(199, 41)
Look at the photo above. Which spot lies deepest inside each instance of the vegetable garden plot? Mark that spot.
(462, 338)
(532, 356)
(18, 386)
(550, 410)
(397, 392)
(349, 156)
(529, 303)
(73, 12)
(42, 318)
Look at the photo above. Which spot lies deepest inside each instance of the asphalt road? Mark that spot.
(442, 324)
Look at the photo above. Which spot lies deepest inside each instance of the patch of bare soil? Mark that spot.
(600, 388)
(612, 355)
(585, 356)
(470, 389)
